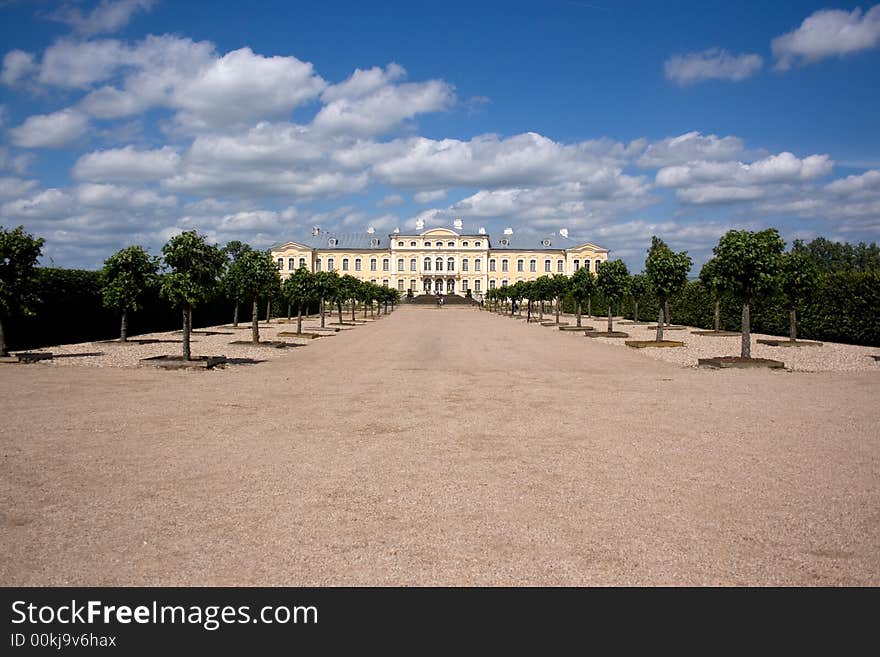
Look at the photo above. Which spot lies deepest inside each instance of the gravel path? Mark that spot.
(439, 447)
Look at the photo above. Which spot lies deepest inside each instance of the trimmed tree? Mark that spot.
(748, 265)
(712, 282)
(299, 289)
(639, 285)
(667, 272)
(612, 281)
(127, 275)
(231, 285)
(196, 267)
(257, 274)
(326, 283)
(582, 287)
(560, 289)
(543, 292)
(799, 277)
(19, 252)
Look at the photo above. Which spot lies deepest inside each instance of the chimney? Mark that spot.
(563, 232)
(396, 230)
(508, 231)
(420, 224)
(371, 230)
(482, 231)
(457, 224)
(315, 231)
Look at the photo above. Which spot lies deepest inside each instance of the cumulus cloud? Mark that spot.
(430, 196)
(11, 187)
(389, 201)
(711, 64)
(107, 16)
(114, 196)
(50, 130)
(17, 65)
(48, 204)
(827, 33)
(689, 147)
(127, 164)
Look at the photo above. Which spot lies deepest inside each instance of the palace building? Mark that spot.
(439, 260)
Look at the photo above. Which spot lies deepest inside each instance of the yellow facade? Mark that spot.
(439, 260)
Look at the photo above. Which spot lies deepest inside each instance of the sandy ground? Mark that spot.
(440, 447)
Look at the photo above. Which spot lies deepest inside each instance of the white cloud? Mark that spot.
(113, 196)
(48, 204)
(79, 64)
(827, 33)
(389, 201)
(17, 65)
(50, 130)
(107, 16)
(430, 196)
(689, 147)
(862, 185)
(127, 164)
(711, 64)
(11, 187)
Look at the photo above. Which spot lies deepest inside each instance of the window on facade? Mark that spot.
(492, 264)
(412, 284)
(385, 282)
(504, 282)
(400, 285)
(478, 264)
(302, 262)
(400, 264)
(332, 241)
(439, 264)
(464, 285)
(345, 264)
(505, 265)
(492, 284)
(477, 243)
(386, 264)
(330, 264)
(450, 264)
(560, 265)
(450, 243)
(400, 244)
(373, 263)
(546, 265)
(280, 263)
(318, 264)
(520, 265)
(373, 281)
(290, 262)
(427, 264)
(413, 265)
(412, 243)
(597, 265)
(533, 265)
(577, 265)
(465, 265)
(427, 244)
(465, 243)
(476, 286)
(358, 264)
(374, 242)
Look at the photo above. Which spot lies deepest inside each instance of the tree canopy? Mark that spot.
(19, 252)
(748, 262)
(126, 276)
(195, 268)
(613, 279)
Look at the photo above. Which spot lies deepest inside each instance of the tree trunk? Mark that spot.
(666, 312)
(187, 326)
(322, 312)
(717, 315)
(541, 313)
(255, 324)
(289, 308)
(365, 309)
(339, 309)
(610, 323)
(746, 332)
(372, 309)
(299, 318)
(590, 307)
(529, 312)
(577, 309)
(268, 310)
(235, 316)
(636, 312)
(793, 333)
(123, 329)
(659, 335)
(557, 310)
(190, 319)
(352, 311)
(4, 351)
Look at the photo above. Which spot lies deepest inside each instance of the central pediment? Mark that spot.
(439, 232)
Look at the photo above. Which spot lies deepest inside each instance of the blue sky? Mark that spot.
(125, 121)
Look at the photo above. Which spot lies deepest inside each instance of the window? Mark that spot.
(577, 265)
(412, 243)
(412, 284)
(546, 265)
(478, 264)
(400, 244)
(505, 241)
(546, 242)
(290, 262)
(330, 264)
(492, 284)
(302, 262)
(373, 264)
(384, 282)
(505, 265)
(597, 265)
(520, 265)
(533, 265)
(386, 264)
(439, 264)
(465, 265)
(413, 264)
(427, 244)
(427, 264)
(400, 285)
(504, 283)
(450, 264)
(464, 285)
(318, 264)
(465, 243)
(345, 264)
(477, 243)
(492, 264)
(280, 263)
(374, 242)
(332, 241)
(450, 243)
(373, 281)
(560, 265)
(476, 285)
(400, 264)
(587, 265)
(358, 264)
